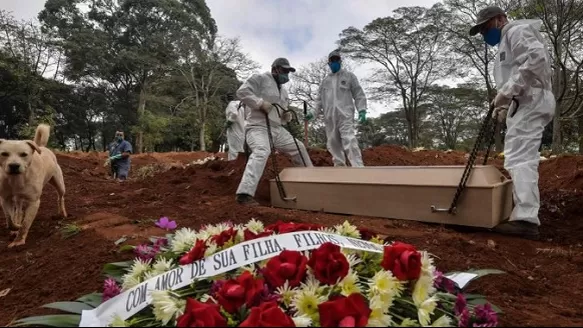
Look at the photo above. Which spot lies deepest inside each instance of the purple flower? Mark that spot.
(145, 252)
(216, 286)
(166, 224)
(161, 242)
(464, 319)
(444, 283)
(110, 289)
(267, 296)
(485, 315)
(460, 304)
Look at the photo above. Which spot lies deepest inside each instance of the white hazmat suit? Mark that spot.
(259, 88)
(236, 132)
(336, 99)
(523, 70)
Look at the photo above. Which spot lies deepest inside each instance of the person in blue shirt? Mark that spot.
(119, 156)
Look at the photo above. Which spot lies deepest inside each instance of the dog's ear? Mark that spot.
(33, 146)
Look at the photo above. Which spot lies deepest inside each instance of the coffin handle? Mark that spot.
(434, 209)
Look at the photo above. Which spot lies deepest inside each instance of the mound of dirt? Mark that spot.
(542, 277)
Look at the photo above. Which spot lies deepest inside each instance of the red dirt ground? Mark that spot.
(543, 284)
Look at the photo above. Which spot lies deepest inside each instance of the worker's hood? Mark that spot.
(536, 23)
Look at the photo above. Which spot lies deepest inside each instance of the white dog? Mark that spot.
(26, 167)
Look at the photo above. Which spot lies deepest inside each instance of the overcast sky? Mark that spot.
(301, 30)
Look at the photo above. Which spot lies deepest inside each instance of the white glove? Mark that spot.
(501, 101)
(107, 162)
(500, 113)
(265, 107)
(287, 117)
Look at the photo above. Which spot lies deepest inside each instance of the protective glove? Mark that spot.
(500, 113)
(114, 157)
(266, 107)
(362, 116)
(501, 101)
(309, 116)
(287, 117)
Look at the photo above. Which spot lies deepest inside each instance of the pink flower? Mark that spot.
(145, 252)
(166, 224)
(460, 304)
(485, 316)
(110, 289)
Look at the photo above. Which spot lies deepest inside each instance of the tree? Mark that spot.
(409, 47)
(211, 68)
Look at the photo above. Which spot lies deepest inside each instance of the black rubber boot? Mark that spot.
(518, 228)
(246, 200)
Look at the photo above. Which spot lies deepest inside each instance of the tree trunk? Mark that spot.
(580, 133)
(201, 134)
(557, 89)
(498, 138)
(141, 111)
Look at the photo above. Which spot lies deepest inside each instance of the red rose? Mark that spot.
(243, 290)
(285, 227)
(287, 266)
(351, 311)
(329, 264)
(199, 314)
(250, 235)
(267, 315)
(367, 234)
(224, 236)
(403, 260)
(195, 254)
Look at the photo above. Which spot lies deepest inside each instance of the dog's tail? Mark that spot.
(41, 136)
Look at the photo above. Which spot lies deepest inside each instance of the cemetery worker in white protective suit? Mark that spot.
(337, 97)
(258, 93)
(235, 127)
(522, 71)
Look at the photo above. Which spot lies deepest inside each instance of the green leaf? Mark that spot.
(127, 248)
(70, 307)
(59, 320)
(93, 299)
(482, 301)
(117, 269)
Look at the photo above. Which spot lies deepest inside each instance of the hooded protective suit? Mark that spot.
(236, 132)
(336, 99)
(252, 93)
(523, 70)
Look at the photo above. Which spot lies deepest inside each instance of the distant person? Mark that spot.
(235, 127)
(258, 93)
(337, 97)
(119, 156)
(522, 71)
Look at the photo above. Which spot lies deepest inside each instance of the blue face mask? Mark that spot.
(334, 66)
(493, 36)
(283, 78)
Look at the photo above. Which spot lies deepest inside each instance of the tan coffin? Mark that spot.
(419, 193)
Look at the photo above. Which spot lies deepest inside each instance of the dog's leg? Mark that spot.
(9, 208)
(59, 183)
(29, 215)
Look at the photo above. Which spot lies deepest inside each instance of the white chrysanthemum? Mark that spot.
(379, 316)
(211, 248)
(353, 259)
(206, 297)
(408, 323)
(302, 321)
(255, 226)
(311, 284)
(425, 310)
(423, 289)
(384, 284)
(136, 274)
(327, 230)
(118, 322)
(427, 266)
(129, 282)
(348, 230)
(306, 302)
(443, 321)
(286, 293)
(183, 240)
(350, 284)
(162, 265)
(166, 307)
